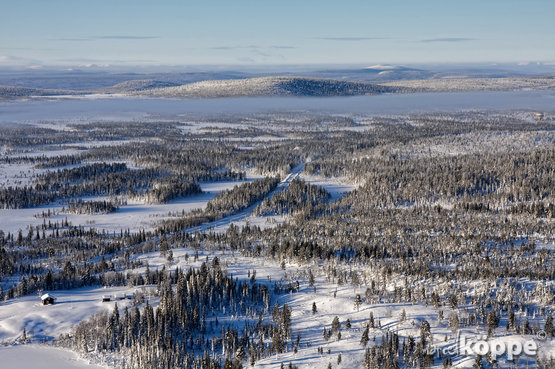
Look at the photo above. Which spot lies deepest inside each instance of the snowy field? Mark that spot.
(334, 186)
(134, 216)
(137, 215)
(39, 356)
(48, 322)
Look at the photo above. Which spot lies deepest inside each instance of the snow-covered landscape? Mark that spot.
(277, 185)
(334, 301)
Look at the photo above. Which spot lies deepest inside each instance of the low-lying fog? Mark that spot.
(95, 108)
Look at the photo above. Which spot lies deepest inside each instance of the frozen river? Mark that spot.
(124, 108)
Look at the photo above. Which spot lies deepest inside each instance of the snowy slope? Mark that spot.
(39, 356)
(47, 322)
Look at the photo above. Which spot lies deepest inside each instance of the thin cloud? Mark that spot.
(226, 47)
(105, 61)
(8, 60)
(257, 52)
(352, 38)
(449, 39)
(282, 47)
(245, 60)
(74, 39)
(28, 48)
(107, 37)
(251, 47)
(124, 37)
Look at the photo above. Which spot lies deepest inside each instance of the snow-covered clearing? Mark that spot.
(336, 187)
(262, 222)
(45, 151)
(134, 216)
(40, 356)
(16, 175)
(137, 215)
(48, 322)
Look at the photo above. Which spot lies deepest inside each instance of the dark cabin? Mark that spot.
(47, 299)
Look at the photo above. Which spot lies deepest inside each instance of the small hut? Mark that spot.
(47, 299)
(106, 298)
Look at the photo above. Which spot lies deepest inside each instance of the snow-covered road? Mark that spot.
(245, 213)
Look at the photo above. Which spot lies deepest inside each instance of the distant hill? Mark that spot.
(270, 86)
(375, 73)
(476, 84)
(100, 80)
(11, 92)
(139, 85)
(344, 84)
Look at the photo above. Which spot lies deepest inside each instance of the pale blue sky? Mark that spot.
(217, 32)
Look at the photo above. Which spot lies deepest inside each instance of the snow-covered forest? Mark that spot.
(291, 239)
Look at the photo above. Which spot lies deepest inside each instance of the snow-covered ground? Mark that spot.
(241, 217)
(44, 322)
(338, 300)
(48, 322)
(336, 187)
(17, 175)
(35, 356)
(262, 222)
(137, 215)
(133, 216)
(331, 300)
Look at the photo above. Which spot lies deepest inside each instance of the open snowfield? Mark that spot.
(39, 356)
(334, 186)
(17, 175)
(137, 215)
(134, 216)
(48, 322)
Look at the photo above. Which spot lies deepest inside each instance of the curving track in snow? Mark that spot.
(245, 213)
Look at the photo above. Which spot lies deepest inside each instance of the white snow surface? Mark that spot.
(49, 321)
(134, 216)
(336, 187)
(35, 356)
